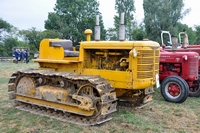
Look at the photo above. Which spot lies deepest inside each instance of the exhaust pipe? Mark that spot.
(185, 39)
(174, 43)
(97, 29)
(122, 28)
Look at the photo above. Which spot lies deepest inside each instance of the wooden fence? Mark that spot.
(7, 58)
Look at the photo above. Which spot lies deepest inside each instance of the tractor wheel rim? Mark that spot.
(172, 90)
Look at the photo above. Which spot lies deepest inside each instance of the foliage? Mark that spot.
(8, 38)
(6, 30)
(126, 7)
(4, 26)
(72, 17)
(162, 15)
(197, 33)
(190, 32)
(50, 34)
(33, 37)
(9, 43)
(139, 32)
(112, 34)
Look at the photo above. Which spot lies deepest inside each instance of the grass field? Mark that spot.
(157, 116)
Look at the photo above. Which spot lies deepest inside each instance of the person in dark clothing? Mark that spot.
(22, 55)
(16, 53)
(26, 57)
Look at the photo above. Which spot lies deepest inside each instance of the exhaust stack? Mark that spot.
(122, 28)
(185, 40)
(97, 29)
(174, 43)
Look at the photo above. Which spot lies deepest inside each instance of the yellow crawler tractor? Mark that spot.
(84, 85)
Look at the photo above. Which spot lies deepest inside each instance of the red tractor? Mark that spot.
(178, 73)
(184, 47)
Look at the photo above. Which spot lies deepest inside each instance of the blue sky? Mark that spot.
(25, 14)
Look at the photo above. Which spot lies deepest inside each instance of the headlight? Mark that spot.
(185, 57)
(134, 53)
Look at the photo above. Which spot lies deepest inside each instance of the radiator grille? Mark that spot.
(146, 53)
(157, 53)
(157, 59)
(147, 63)
(145, 67)
(145, 75)
(193, 66)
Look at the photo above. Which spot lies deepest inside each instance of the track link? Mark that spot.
(60, 115)
(104, 88)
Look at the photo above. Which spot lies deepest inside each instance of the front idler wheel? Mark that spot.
(90, 91)
(174, 89)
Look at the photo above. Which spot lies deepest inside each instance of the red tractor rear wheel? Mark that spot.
(174, 89)
(195, 90)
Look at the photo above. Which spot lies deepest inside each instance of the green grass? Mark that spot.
(156, 117)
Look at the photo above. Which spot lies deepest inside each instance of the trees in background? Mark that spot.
(7, 45)
(8, 38)
(4, 26)
(139, 32)
(72, 17)
(197, 33)
(11, 37)
(162, 15)
(126, 7)
(190, 32)
(33, 37)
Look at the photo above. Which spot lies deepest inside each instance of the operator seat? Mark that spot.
(68, 48)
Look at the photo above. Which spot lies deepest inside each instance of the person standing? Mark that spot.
(22, 55)
(16, 53)
(26, 56)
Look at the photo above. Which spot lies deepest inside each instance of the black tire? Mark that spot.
(180, 86)
(195, 91)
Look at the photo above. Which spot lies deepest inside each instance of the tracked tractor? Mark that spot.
(178, 72)
(83, 86)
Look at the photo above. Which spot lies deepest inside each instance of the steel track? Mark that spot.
(100, 83)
